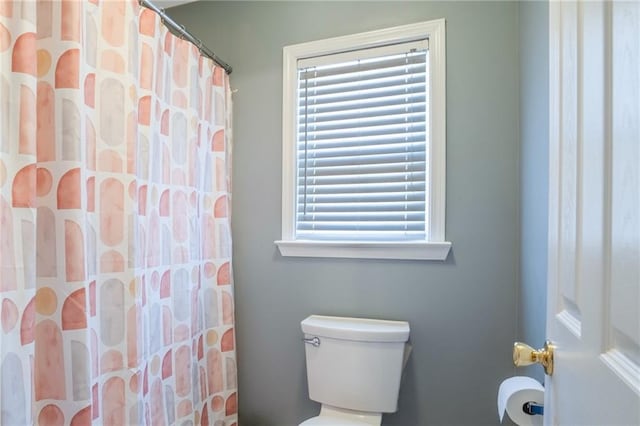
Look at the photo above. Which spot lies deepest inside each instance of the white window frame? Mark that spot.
(435, 247)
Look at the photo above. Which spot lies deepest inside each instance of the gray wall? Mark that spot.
(462, 312)
(534, 168)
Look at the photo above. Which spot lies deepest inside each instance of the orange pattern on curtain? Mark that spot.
(116, 294)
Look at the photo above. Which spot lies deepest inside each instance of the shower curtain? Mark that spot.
(116, 289)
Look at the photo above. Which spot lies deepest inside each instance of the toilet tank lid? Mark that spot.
(357, 329)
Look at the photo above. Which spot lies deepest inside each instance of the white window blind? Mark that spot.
(362, 144)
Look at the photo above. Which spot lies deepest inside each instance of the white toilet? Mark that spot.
(353, 368)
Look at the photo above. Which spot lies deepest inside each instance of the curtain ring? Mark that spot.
(162, 16)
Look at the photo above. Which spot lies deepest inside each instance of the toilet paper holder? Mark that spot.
(533, 408)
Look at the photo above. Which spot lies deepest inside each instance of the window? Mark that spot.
(364, 145)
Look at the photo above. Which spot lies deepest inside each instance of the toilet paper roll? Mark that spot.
(513, 393)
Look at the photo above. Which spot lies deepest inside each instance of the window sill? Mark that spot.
(423, 250)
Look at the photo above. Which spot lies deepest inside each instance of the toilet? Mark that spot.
(353, 368)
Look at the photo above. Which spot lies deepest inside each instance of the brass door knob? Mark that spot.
(524, 354)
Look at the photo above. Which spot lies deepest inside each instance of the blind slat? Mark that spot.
(399, 80)
(357, 169)
(363, 225)
(312, 163)
(359, 104)
(357, 95)
(361, 188)
(370, 197)
(398, 137)
(314, 217)
(365, 178)
(311, 125)
(384, 129)
(367, 207)
(375, 149)
(371, 235)
(344, 114)
(333, 79)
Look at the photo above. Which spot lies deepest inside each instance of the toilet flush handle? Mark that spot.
(315, 341)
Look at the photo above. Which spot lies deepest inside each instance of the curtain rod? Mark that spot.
(182, 32)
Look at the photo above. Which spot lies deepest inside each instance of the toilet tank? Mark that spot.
(358, 362)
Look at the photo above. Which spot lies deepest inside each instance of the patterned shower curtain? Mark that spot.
(116, 290)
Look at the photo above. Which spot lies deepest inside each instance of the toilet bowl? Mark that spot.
(354, 367)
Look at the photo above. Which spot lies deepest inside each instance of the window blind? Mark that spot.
(362, 145)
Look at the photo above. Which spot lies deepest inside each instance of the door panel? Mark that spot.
(570, 300)
(593, 311)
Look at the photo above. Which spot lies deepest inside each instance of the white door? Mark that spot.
(593, 311)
